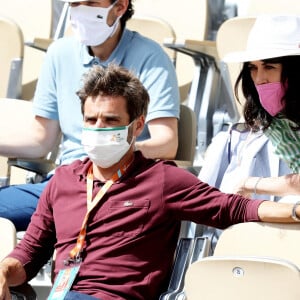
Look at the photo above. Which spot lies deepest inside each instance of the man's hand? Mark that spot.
(12, 273)
(4, 289)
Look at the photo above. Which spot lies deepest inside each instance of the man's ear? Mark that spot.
(121, 7)
(139, 125)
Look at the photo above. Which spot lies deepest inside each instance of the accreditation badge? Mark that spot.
(63, 283)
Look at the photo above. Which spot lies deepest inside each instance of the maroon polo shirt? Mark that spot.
(132, 233)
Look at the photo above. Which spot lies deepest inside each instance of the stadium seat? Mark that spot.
(34, 17)
(251, 261)
(11, 58)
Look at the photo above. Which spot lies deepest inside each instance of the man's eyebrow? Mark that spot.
(112, 117)
(105, 117)
(88, 117)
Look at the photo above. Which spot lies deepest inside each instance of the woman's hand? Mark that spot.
(240, 188)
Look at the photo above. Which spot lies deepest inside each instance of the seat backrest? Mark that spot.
(33, 16)
(155, 28)
(11, 58)
(192, 26)
(161, 31)
(189, 21)
(236, 278)
(261, 239)
(21, 111)
(257, 7)
(232, 36)
(8, 237)
(187, 135)
(35, 19)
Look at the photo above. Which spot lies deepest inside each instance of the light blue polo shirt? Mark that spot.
(61, 77)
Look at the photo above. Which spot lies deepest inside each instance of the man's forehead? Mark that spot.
(113, 105)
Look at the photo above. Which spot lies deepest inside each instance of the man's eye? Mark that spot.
(111, 121)
(90, 121)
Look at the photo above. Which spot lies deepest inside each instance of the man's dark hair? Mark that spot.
(115, 81)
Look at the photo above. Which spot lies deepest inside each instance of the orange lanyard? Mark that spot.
(91, 204)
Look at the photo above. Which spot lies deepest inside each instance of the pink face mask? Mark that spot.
(270, 96)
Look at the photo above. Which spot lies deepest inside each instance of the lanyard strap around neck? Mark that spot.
(91, 204)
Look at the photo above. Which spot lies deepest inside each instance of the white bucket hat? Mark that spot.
(271, 36)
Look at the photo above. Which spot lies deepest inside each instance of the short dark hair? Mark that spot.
(255, 115)
(115, 81)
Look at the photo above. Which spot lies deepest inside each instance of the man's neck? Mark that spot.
(104, 50)
(104, 174)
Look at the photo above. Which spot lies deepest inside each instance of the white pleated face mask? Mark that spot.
(89, 24)
(106, 146)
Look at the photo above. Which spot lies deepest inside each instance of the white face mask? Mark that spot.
(106, 146)
(90, 24)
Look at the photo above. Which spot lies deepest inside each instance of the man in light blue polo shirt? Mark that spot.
(100, 38)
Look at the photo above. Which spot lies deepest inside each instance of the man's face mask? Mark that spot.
(90, 24)
(106, 146)
(270, 96)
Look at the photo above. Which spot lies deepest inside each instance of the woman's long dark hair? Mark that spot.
(255, 115)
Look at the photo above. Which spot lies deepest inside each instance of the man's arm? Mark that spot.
(31, 138)
(276, 212)
(12, 273)
(164, 139)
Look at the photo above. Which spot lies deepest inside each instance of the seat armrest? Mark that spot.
(24, 291)
(41, 166)
(40, 43)
(205, 47)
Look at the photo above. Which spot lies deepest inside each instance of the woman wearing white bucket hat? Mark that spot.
(270, 84)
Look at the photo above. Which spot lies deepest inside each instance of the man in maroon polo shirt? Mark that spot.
(114, 218)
